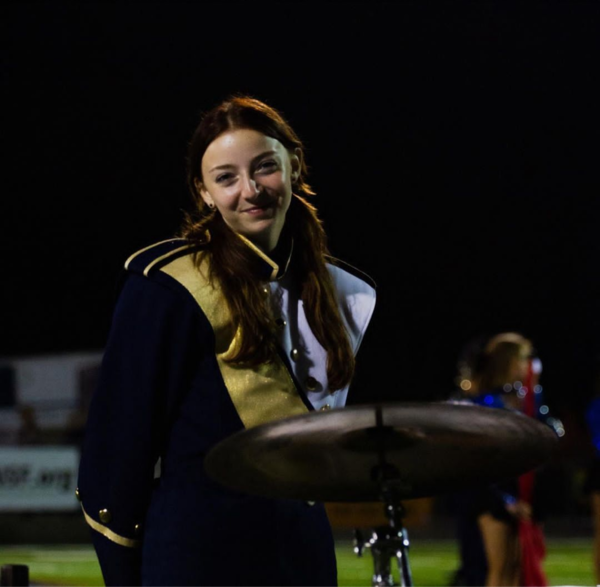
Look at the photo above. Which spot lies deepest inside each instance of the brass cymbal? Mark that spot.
(421, 449)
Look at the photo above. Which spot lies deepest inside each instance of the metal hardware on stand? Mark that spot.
(386, 543)
(389, 541)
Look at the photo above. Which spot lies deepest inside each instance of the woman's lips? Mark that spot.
(257, 210)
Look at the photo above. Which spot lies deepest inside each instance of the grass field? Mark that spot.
(569, 562)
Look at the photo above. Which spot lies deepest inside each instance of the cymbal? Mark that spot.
(420, 449)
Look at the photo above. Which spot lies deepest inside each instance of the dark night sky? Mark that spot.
(453, 146)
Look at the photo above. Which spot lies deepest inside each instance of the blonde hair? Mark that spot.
(499, 356)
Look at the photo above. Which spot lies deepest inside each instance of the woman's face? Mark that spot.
(248, 177)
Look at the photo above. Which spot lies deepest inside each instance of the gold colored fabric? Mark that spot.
(163, 257)
(260, 394)
(265, 258)
(132, 257)
(128, 542)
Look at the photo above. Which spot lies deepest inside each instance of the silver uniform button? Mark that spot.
(294, 354)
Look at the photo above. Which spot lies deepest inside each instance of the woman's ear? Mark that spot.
(203, 193)
(296, 164)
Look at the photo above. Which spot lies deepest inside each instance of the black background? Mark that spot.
(453, 147)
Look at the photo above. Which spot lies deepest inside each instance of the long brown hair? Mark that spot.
(234, 264)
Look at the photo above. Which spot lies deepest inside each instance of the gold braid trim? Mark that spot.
(129, 542)
(265, 258)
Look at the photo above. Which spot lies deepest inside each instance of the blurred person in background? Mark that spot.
(499, 526)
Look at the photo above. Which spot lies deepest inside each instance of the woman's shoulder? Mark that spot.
(349, 275)
(148, 260)
(170, 264)
(356, 294)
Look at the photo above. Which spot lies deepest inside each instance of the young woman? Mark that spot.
(242, 320)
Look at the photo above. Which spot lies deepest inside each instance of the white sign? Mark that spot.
(40, 478)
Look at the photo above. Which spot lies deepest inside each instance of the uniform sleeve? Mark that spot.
(144, 370)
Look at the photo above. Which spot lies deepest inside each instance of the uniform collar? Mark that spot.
(274, 265)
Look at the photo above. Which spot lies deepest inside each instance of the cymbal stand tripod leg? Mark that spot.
(386, 543)
(396, 543)
(382, 561)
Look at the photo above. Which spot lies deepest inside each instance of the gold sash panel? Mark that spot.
(260, 394)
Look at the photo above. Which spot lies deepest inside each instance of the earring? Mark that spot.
(211, 205)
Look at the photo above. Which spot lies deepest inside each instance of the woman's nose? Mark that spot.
(249, 187)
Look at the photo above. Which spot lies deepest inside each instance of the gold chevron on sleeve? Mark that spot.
(128, 542)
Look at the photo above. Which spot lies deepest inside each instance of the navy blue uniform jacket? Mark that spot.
(166, 396)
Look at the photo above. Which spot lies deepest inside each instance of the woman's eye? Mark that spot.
(224, 177)
(267, 165)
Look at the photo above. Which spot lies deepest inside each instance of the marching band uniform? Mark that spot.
(167, 395)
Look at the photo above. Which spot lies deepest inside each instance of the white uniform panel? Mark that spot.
(307, 357)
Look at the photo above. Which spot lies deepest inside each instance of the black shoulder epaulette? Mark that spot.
(155, 256)
(352, 270)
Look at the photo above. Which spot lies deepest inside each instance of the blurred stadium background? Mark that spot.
(463, 136)
(43, 408)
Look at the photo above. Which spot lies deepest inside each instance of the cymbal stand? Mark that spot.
(388, 541)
